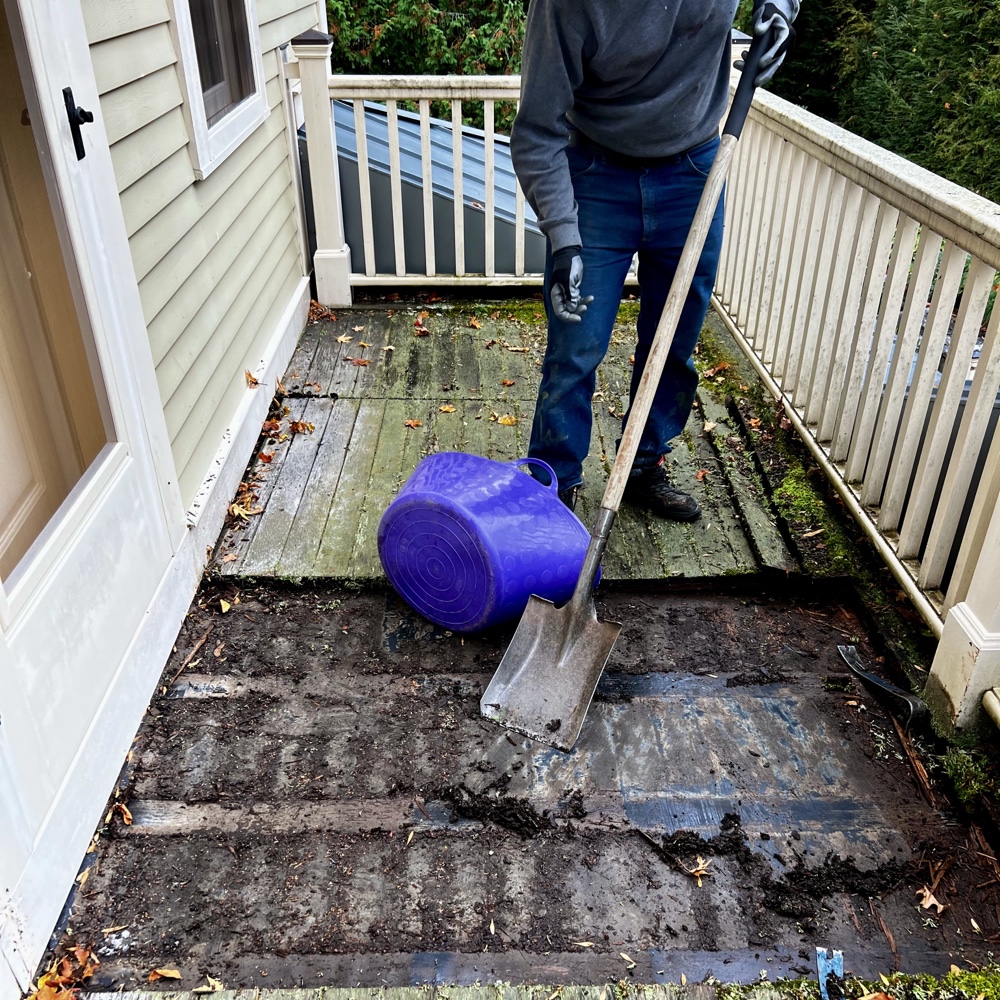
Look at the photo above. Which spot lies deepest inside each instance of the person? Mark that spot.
(614, 138)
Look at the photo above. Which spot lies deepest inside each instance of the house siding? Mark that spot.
(216, 260)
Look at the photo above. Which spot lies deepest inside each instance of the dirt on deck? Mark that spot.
(315, 800)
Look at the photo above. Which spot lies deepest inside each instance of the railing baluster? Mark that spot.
(427, 181)
(969, 449)
(921, 386)
(787, 354)
(751, 224)
(518, 223)
(844, 335)
(850, 400)
(946, 405)
(886, 327)
(817, 292)
(894, 396)
(766, 244)
(396, 188)
(488, 118)
(457, 185)
(364, 186)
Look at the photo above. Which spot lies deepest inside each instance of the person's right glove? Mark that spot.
(777, 15)
(564, 287)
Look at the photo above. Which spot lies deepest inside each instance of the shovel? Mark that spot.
(546, 679)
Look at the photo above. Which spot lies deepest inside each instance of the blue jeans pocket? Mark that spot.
(701, 158)
(581, 161)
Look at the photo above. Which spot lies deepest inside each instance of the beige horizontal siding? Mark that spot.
(131, 108)
(218, 259)
(276, 281)
(106, 19)
(182, 333)
(147, 148)
(115, 59)
(172, 235)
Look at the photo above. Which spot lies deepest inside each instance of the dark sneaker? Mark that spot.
(568, 496)
(651, 489)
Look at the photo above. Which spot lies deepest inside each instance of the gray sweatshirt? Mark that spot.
(642, 77)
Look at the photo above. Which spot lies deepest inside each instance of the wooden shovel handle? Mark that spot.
(667, 327)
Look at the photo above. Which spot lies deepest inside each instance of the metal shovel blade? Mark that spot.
(546, 679)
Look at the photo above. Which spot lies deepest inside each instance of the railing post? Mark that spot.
(967, 662)
(332, 260)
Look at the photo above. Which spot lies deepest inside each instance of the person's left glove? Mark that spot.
(564, 287)
(776, 16)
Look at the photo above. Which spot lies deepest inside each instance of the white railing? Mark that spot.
(861, 286)
(856, 282)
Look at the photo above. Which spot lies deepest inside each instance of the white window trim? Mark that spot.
(209, 147)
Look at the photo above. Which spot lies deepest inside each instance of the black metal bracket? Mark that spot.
(77, 117)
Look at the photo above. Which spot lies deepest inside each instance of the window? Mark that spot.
(219, 47)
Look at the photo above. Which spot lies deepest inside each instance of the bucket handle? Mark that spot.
(553, 480)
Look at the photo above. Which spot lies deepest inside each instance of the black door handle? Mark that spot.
(77, 117)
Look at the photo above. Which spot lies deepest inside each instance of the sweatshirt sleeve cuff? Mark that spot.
(564, 234)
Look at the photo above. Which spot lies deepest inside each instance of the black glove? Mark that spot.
(564, 287)
(779, 15)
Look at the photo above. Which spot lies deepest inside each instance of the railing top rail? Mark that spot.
(973, 222)
(438, 88)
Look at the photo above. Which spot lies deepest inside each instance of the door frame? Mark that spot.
(52, 51)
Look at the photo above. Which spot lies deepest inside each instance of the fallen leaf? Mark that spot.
(271, 427)
(412, 423)
(493, 929)
(312, 385)
(114, 930)
(120, 807)
(363, 343)
(229, 557)
(81, 879)
(813, 534)
(710, 426)
(212, 986)
(631, 964)
(701, 474)
(447, 408)
(251, 381)
(224, 604)
(475, 324)
(359, 362)
(975, 926)
(423, 314)
(421, 331)
(584, 944)
(927, 901)
(684, 980)
(700, 869)
(516, 350)
(720, 367)
(163, 974)
(217, 652)
(507, 420)
(388, 347)
(508, 382)
(754, 422)
(301, 427)
(266, 457)
(344, 339)
(358, 329)
(408, 839)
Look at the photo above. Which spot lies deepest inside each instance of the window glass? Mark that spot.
(222, 43)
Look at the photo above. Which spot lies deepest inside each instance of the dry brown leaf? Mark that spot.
(721, 367)
(358, 329)
(229, 557)
(359, 362)
(447, 408)
(475, 324)
(710, 426)
(493, 929)
(420, 331)
(631, 964)
(163, 974)
(211, 986)
(584, 944)
(701, 474)
(975, 927)
(927, 901)
(81, 879)
(266, 457)
(251, 381)
(344, 339)
(363, 343)
(508, 382)
(123, 809)
(700, 869)
(301, 427)
(412, 423)
(813, 534)
(507, 420)
(224, 604)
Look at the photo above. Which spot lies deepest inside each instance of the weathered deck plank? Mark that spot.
(324, 493)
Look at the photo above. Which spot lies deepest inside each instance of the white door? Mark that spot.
(89, 515)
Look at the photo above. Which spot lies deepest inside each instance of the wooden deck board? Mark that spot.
(324, 492)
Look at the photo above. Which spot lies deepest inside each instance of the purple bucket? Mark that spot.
(468, 540)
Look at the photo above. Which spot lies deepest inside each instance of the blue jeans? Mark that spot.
(624, 210)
